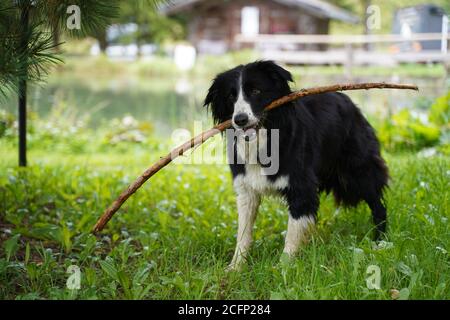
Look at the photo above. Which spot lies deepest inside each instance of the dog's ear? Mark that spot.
(219, 84)
(212, 94)
(278, 71)
(214, 100)
(217, 96)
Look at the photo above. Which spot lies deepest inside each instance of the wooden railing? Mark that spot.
(339, 39)
(349, 50)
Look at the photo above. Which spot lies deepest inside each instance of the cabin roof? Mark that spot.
(315, 7)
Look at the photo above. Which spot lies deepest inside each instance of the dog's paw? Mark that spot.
(233, 267)
(286, 258)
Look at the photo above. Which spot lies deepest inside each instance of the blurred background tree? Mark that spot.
(152, 26)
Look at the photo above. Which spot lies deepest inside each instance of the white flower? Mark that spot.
(429, 219)
(423, 184)
(382, 245)
(428, 153)
(128, 121)
(441, 250)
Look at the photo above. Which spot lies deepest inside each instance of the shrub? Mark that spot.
(440, 110)
(405, 130)
(412, 130)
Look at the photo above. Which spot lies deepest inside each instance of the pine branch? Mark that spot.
(95, 14)
(34, 62)
(198, 140)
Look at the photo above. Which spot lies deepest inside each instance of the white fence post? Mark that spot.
(444, 42)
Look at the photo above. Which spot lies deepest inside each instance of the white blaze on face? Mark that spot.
(242, 106)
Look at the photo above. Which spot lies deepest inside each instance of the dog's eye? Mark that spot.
(232, 96)
(255, 92)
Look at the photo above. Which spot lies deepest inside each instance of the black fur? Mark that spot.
(326, 144)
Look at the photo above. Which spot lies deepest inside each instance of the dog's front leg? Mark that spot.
(303, 205)
(247, 204)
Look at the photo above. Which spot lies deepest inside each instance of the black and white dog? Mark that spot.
(324, 144)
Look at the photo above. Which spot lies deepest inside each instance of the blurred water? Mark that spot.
(177, 102)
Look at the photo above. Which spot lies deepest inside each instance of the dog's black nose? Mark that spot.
(241, 119)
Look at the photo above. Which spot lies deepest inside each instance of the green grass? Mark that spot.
(208, 66)
(175, 236)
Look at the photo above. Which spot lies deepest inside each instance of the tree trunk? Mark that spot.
(102, 41)
(22, 105)
(56, 38)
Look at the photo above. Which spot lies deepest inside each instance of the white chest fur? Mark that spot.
(254, 180)
(248, 150)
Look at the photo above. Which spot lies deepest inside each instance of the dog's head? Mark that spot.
(242, 93)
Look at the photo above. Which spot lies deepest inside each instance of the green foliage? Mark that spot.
(66, 131)
(95, 14)
(153, 27)
(409, 130)
(18, 61)
(7, 123)
(11, 246)
(404, 131)
(128, 129)
(440, 110)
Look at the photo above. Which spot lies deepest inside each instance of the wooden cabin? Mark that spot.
(213, 24)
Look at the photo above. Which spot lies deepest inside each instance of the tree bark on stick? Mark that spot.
(198, 140)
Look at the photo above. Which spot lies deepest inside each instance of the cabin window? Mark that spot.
(250, 21)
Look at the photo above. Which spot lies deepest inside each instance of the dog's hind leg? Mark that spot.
(372, 192)
(359, 187)
(368, 187)
(297, 233)
(379, 216)
(247, 204)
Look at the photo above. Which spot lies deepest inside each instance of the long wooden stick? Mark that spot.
(162, 162)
